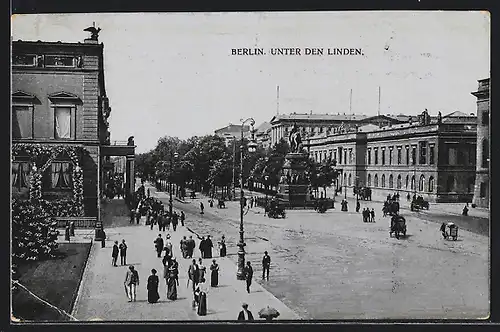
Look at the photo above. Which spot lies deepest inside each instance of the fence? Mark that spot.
(80, 222)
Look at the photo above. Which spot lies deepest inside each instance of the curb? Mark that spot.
(74, 307)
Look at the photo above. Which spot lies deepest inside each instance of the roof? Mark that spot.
(458, 114)
(231, 128)
(263, 127)
(319, 117)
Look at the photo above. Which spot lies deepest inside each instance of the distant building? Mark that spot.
(482, 187)
(262, 135)
(231, 132)
(322, 124)
(436, 160)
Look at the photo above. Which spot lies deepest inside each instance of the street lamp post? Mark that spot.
(234, 165)
(240, 274)
(172, 157)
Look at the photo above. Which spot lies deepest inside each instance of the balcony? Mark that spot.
(118, 148)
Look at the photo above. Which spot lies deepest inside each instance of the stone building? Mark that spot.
(323, 124)
(59, 101)
(482, 187)
(434, 158)
(232, 131)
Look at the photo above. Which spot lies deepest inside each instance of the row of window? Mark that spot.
(57, 176)
(343, 156)
(409, 183)
(54, 61)
(23, 121)
(427, 155)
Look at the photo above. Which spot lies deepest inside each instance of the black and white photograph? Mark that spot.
(261, 166)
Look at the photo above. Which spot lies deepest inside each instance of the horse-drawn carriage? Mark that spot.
(321, 205)
(398, 226)
(419, 203)
(274, 210)
(364, 193)
(391, 207)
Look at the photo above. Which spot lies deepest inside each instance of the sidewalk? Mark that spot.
(102, 295)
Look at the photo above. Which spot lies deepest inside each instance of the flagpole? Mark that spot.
(378, 106)
(277, 100)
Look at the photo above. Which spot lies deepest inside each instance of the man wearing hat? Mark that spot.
(245, 314)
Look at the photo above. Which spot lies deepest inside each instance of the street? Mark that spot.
(334, 266)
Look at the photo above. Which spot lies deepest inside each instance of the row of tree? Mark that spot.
(205, 164)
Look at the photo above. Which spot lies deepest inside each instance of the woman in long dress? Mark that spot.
(222, 247)
(202, 290)
(214, 276)
(152, 287)
(172, 283)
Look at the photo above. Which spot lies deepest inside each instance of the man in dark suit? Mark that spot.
(245, 314)
(248, 275)
(266, 264)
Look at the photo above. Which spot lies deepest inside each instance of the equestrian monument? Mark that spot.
(293, 188)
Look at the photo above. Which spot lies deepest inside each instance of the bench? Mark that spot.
(80, 222)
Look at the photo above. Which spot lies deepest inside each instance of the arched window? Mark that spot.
(383, 180)
(369, 180)
(375, 181)
(350, 179)
(421, 183)
(450, 183)
(413, 182)
(431, 184)
(407, 181)
(399, 182)
(486, 152)
(391, 181)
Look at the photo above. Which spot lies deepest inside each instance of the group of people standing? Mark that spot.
(197, 278)
(368, 216)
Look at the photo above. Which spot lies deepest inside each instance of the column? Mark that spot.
(130, 175)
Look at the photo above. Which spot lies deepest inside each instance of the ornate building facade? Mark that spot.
(482, 187)
(59, 103)
(322, 124)
(434, 158)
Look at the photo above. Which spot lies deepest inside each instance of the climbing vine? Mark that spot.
(41, 157)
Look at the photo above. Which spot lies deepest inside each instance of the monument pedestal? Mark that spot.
(293, 190)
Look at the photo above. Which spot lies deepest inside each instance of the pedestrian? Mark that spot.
(202, 270)
(152, 287)
(114, 254)
(191, 246)
(123, 252)
(151, 218)
(132, 216)
(372, 214)
(358, 206)
(175, 221)
(193, 274)
(138, 216)
(201, 207)
(443, 230)
(208, 247)
(183, 217)
(214, 275)
(131, 283)
(408, 197)
(222, 247)
(465, 211)
(202, 247)
(168, 247)
(366, 215)
(168, 220)
(245, 314)
(266, 264)
(159, 245)
(183, 246)
(248, 275)
(200, 295)
(172, 281)
(148, 192)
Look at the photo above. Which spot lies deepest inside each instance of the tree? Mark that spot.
(322, 175)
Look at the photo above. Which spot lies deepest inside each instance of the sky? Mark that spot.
(174, 73)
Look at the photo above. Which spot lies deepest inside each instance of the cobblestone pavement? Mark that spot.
(334, 266)
(102, 295)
